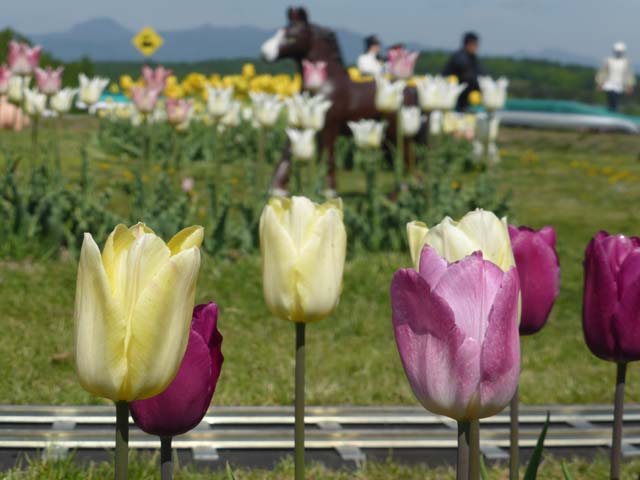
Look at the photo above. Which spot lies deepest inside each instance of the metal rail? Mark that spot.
(57, 429)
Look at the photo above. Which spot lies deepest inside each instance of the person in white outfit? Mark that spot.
(616, 76)
(368, 62)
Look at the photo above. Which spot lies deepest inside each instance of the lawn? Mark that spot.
(578, 182)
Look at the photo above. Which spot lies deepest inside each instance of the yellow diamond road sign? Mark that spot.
(147, 41)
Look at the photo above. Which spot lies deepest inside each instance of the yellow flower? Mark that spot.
(477, 230)
(133, 310)
(248, 70)
(475, 98)
(452, 79)
(303, 248)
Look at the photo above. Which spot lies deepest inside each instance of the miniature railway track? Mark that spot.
(350, 432)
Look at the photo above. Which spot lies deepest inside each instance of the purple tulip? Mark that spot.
(456, 328)
(185, 401)
(539, 272)
(611, 306)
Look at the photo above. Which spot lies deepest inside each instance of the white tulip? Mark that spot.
(91, 89)
(477, 230)
(305, 111)
(35, 102)
(367, 133)
(410, 120)
(17, 86)
(266, 108)
(62, 101)
(494, 92)
(219, 100)
(232, 117)
(389, 95)
(438, 92)
(303, 143)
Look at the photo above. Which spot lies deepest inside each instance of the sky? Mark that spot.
(583, 27)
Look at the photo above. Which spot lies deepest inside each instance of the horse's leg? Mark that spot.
(328, 138)
(280, 179)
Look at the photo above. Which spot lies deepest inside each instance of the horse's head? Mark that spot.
(293, 41)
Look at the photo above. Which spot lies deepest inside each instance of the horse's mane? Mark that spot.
(329, 37)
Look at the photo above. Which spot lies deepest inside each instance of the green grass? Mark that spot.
(145, 467)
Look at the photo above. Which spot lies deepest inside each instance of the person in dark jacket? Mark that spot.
(465, 65)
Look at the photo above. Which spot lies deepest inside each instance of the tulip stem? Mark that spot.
(514, 451)
(166, 459)
(474, 450)
(399, 152)
(462, 471)
(122, 441)
(618, 412)
(299, 402)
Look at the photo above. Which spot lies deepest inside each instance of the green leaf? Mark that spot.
(230, 475)
(484, 475)
(534, 462)
(565, 472)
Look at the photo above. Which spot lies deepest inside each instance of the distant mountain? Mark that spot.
(105, 39)
(559, 56)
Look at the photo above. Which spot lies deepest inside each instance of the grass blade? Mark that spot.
(534, 462)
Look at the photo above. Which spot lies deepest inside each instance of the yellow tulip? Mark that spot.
(133, 310)
(477, 230)
(475, 98)
(248, 70)
(303, 248)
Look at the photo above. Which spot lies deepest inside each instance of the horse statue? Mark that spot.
(350, 101)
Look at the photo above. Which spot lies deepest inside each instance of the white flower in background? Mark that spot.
(367, 133)
(62, 101)
(266, 108)
(35, 102)
(487, 127)
(303, 143)
(438, 92)
(494, 92)
(389, 95)
(91, 89)
(461, 125)
(232, 117)
(435, 122)
(247, 113)
(17, 86)
(307, 112)
(219, 100)
(410, 120)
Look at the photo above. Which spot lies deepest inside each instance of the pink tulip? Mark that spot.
(611, 305)
(314, 74)
(11, 117)
(22, 58)
(456, 328)
(187, 184)
(5, 76)
(185, 401)
(155, 79)
(49, 81)
(145, 98)
(178, 110)
(402, 62)
(539, 272)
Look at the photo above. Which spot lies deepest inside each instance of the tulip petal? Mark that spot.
(451, 242)
(491, 236)
(278, 259)
(185, 239)
(432, 266)
(416, 232)
(159, 325)
(320, 265)
(626, 327)
(440, 363)
(117, 243)
(470, 287)
(100, 327)
(181, 406)
(599, 303)
(500, 358)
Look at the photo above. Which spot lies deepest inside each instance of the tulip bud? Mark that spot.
(478, 230)
(155, 79)
(494, 92)
(133, 310)
(611, 295)
(303, 143)
(49, 81)
(91, 89)
(185, 401)
(303, 247)
(367, 133)
(539, 272)
(35, 103)
(401, 63)
(456, 329)
(389, 95)
(62, 101)
(438, 93)
(314, 74)
(410, 121)
(23, 59)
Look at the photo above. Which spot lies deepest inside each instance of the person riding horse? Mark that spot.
(351, 101)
